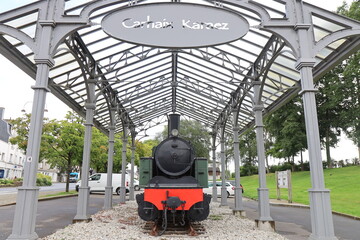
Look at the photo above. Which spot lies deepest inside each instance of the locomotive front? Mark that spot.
(173, 181)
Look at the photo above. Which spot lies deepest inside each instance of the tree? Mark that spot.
(63, 144)
(144, 149)
(350, 81)
(61, 141)
(99, 151)
(229, 152)
(329, 103)
(118, 152)
(248, 153)
(286, 127)
(196, 134)
(22, 127)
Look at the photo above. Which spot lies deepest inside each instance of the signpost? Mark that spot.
(283, 180)
(175, 25)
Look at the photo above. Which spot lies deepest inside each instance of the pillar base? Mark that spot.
(239, 213)
(132, 194)
(321, 215)
(83, 205)
(122, 194)
(32, 236)
(108, 198)
(25, 214)
(313, 237)
(265, 225)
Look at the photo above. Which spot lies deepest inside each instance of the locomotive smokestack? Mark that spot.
(173, 123)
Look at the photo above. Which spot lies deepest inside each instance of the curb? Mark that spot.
(42, 199)
(307, 206)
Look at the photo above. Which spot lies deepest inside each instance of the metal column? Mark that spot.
(222, 154)
(27, 197)
(239, 208)
(320, 207)
(265, 222)
(132, 174)
(123, 166)
(84, 190)
(213, 149)
(109, 187)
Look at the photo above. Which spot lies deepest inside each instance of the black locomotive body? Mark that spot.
(173, 181)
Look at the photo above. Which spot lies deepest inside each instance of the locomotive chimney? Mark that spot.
(173, 123)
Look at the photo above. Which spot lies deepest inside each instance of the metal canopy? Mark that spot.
(144, 84)
(120, 86)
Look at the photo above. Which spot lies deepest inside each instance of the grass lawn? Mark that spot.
(343, 183)
(59, 194)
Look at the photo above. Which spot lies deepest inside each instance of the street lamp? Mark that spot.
(24, 111)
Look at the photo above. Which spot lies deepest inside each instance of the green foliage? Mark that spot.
(350, 84)
(118, 152)
(248, 170)
(329, 102)
(144, 149)
(196, 134)
(342, 182)
(64, 142)
(99, 151)
(286, 127)
(22, 126)
(248, 152)
(6, 181)
(43, 180)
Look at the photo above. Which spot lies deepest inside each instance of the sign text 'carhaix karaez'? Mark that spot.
(175, 25)
(185, 23)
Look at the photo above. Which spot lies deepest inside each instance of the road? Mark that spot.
(292, 223)
(52, 214)
(53, 187)
(295, 223)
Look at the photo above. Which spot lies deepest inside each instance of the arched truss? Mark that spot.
(144, 84)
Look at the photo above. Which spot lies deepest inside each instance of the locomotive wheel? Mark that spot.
(146, 210)
(200, 211)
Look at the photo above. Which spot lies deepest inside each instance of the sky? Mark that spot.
(16, 93)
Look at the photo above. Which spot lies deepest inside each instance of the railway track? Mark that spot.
(190, 229)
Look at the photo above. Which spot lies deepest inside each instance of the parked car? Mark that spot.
(98, 181)
(136, 185)
(230, 189)
(74, 177)
(232, 182)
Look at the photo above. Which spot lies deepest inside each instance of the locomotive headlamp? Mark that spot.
(175, 132)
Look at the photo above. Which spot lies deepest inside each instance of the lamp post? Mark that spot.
(24, 110)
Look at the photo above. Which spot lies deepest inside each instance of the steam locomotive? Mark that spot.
(173, 181)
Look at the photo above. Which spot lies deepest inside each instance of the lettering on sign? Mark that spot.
(175, 25)
(283, 179)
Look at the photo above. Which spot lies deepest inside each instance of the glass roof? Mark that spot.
(150, 83)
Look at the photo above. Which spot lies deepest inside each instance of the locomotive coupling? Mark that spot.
(173, 203)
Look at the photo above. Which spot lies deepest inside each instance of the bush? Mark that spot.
(43, 180)
(5, 181)
(248, 170)
(18, 180)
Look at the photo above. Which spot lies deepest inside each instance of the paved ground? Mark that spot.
(291, 222)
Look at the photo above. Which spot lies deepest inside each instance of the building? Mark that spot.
(12, 158)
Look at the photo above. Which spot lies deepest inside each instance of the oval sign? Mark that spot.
(175, 25)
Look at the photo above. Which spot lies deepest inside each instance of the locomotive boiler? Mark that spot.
(173, 180)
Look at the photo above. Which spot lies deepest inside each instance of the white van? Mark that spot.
(97, 182)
